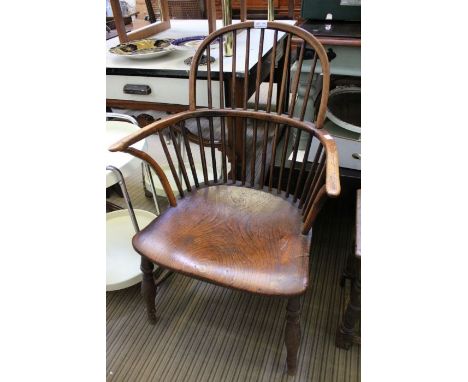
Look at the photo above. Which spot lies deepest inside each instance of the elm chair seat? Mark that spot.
(242, 238)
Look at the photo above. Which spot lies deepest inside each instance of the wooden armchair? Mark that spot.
(240, 230)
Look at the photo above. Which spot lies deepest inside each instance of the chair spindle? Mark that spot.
(233, 77)
(310, 77)
(272, 72)
(202, 151)
(303, 167)
(283, 157)
(171, 164)
(297, 76)
(179, 158)
(258, 78)
(246, 69)
(213, 151)
(266, 128)
(311, 190)
(310, 176)
(253, 154)
(284, 77)
(233, 150)
(293, 162)
(189, 153)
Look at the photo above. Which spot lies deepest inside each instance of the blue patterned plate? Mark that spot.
(192, 43)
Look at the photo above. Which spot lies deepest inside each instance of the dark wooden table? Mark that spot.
(334, 33)
(345, 335)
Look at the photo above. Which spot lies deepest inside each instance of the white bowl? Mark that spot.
(116, 130)
(122, 262)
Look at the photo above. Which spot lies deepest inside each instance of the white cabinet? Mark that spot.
(347, 62)
(163, 90)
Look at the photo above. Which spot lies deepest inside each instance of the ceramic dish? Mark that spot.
(122, 262)
(145, 48)
(192, 43)
(116, 130)
(344, 108)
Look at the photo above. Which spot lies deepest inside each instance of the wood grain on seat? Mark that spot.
(233, 236)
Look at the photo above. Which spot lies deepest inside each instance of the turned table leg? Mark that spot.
(350, 270)
(345, 336)
(292, 335)
(148, 288)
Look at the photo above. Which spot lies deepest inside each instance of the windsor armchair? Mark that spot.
(262, 81)
(245, 225)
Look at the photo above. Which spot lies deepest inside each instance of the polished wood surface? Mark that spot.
(233, 228)
(337, 41)
(340, 41)
(233, 236)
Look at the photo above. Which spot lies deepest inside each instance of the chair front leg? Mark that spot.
(148, 289)
(292, 335)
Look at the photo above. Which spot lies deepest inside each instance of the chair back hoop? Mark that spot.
(302, 37)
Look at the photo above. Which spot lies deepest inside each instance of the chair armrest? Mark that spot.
(332, 170)
(124, 144)
(331, 185)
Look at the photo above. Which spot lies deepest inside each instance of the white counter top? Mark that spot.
(174, 61)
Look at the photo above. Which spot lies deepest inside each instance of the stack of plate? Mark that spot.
(144, 48)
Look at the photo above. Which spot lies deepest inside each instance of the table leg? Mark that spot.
(345, 335)
(350, 271)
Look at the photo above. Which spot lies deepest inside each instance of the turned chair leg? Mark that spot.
(345, 335)
(292, 335)
(148, 289)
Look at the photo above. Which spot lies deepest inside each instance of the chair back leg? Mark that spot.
(292, 336)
